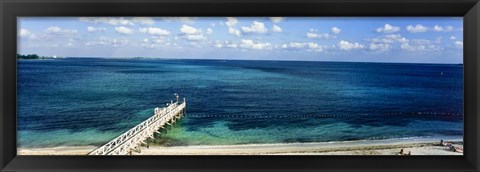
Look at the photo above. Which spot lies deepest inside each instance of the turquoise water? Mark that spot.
(89, 101)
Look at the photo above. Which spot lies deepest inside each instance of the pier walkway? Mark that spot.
(133, 138)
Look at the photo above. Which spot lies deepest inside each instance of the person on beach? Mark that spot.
(402, 152)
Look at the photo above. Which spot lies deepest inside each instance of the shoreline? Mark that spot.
(428, 146)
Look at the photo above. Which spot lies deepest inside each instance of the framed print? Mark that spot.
(282, 85)
(226, 85)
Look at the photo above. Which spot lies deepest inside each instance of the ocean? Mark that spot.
(89, 101)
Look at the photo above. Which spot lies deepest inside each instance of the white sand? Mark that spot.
(362, 147)
(63, 150)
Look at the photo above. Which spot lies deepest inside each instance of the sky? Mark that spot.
(353, 39)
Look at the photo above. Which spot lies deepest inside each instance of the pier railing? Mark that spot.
(133, 138)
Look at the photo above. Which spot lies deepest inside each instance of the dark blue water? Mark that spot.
(66, 102)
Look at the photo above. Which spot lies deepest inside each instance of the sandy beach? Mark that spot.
(361, 147)
(63, 150)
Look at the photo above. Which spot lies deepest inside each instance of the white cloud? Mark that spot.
(107, 42)
(256, 27)
(417, 28)
(124, 30)
(407, 46)
(192, 33)
(294, 45)
(420, 45)
(347, 46)
(312, 35)
(231, 21)
(225, 44)
(69, 45)
(250, 44)
(25, 33)
(155, 31)
(95, 29)
(159, 40)
(200, 37)
(59, 31)
(438, 28)
(336, 30)
(234, 31)
(53, 29)
(143, 20)
(276, 28)
(218, 44)
(155, 42)
(459, 44)
(107, 20)
(379, 46)
(231, 45)
(388, 39)
(388, 29)
(386, 42)
(396, 38)
(453, 38)
(186, 29)
(209, 31)
(276, 19)
(315, 47)
(309, 46)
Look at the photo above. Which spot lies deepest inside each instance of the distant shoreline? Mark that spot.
(39, 59)
(361, 147)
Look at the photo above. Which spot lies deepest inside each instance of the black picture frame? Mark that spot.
(11, 9)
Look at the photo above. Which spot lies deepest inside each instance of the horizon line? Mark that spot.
(173, 58)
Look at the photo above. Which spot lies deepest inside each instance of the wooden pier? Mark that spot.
(135, 137)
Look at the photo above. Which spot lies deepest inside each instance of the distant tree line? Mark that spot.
(29, 56)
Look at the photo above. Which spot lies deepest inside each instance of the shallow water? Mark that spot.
(89, 101)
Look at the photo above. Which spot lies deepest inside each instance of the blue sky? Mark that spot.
(358, 39)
